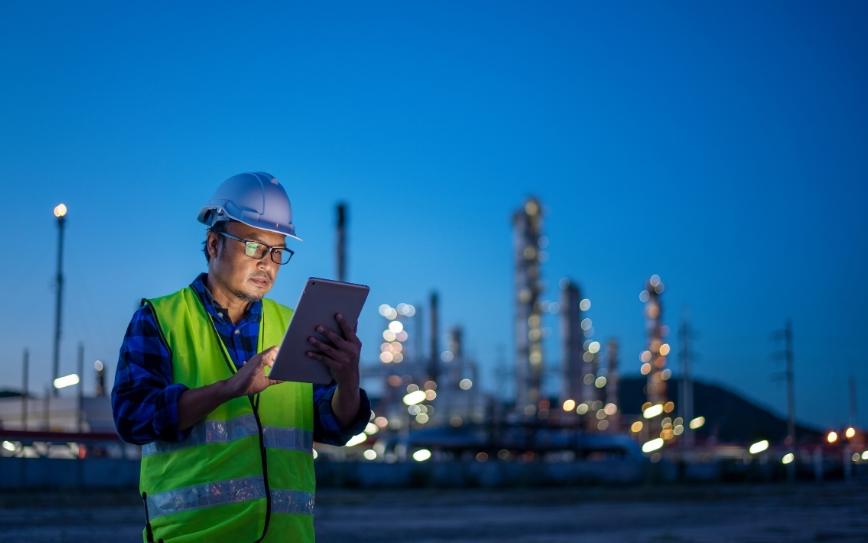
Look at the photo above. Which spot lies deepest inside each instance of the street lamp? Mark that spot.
(60, 211)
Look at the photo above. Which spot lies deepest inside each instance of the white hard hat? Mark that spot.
(256, 199)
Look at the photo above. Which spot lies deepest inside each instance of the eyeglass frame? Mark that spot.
(269, 249)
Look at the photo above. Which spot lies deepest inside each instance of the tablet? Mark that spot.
(320, 301)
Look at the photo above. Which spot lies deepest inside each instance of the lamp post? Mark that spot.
(59, 212)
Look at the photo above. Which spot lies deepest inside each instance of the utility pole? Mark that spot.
(80, 422)
(60, 212)
(25, 377)
(685, 354)
(787, 335)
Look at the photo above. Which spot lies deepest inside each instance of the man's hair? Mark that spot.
(217, 227)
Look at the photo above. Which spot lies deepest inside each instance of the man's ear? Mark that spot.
(212, 244)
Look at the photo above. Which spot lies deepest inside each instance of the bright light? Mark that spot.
(315, 454)
(356, 439)
(585, 304)
(370, 454)
(594, 347)
(788, 458)
(385, 310)
(832, 437)
(600, 382)
(381, 422)
(9, 446)
(98, 365)
(636, 427)
(664, 349)
(430, 395)
(653, 411)
(60, 210)
(569, 405)
(582, 408)
(421, 455)
(371, 428)
(759, 447)
(697, 423)
(850, 432)
(653, 445)
(414, 397)
(465, 384)
(66, 381)
(610, 409)
(396, 326)
(864, 455)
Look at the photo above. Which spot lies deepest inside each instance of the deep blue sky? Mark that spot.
(720, 146)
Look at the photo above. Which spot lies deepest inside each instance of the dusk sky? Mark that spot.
(719, 145)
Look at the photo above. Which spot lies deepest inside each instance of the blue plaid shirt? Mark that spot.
(145, 398)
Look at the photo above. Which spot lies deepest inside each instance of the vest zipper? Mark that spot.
(254, 403)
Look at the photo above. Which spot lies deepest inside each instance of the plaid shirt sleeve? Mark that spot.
(144, 398)
(326, 428)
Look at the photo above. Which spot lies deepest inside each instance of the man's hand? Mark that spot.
(251, 378)
(340, 352)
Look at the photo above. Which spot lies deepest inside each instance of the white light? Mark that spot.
(653, 411)
(370, 454)
(98, 365)
(759, 447)
(414, 397)
(864, 455)
(594, 347)
(357, 439)
(465, 384)
(60, 210)
(385, 309)
(66, 381)
(585, 304)
(9, 446)
(653, 445)
(600, 382)
(697, 423)
(421, 455)
(850, 432)
(371, 429)
(788, 458)
(396, 326)
(315, 454)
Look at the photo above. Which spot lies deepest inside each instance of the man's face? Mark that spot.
(246, 278)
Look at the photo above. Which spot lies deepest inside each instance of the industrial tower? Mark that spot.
(527, 226)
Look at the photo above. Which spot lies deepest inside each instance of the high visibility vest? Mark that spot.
(245, 473)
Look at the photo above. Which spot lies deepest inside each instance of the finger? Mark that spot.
(346, 329)
(327, 360)
(323, 346)
(336, 340)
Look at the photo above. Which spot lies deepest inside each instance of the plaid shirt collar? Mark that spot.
(218, 312)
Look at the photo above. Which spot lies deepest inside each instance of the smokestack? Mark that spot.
(612, 385)
(99, 369)
(434, 360)
(342, 241)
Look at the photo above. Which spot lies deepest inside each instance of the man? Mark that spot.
(227, 452)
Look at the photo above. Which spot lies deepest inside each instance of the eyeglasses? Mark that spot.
(257, 250)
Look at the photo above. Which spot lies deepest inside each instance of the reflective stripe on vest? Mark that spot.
(217, 431)
(223, 492)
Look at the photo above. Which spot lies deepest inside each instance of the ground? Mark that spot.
(709, 513)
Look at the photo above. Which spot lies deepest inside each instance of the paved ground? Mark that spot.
(712, 514)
